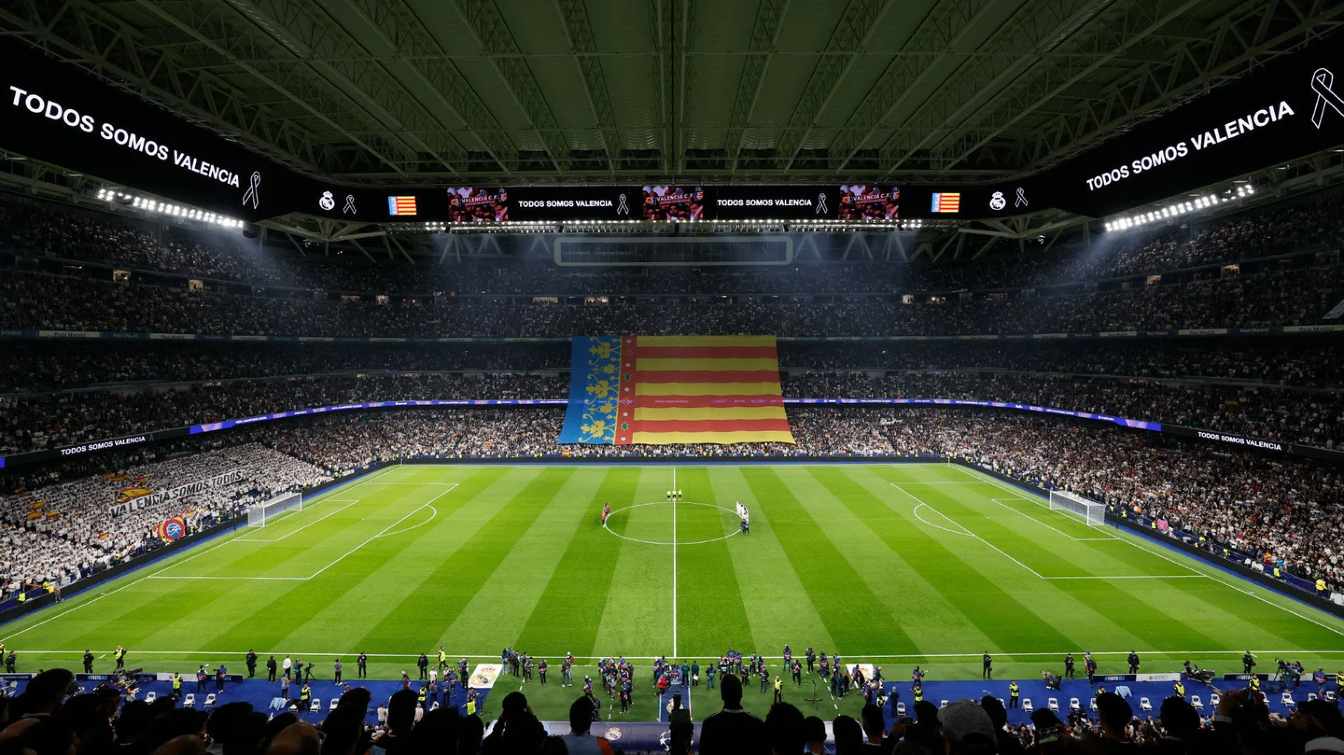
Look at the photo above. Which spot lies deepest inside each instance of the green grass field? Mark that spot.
(897, 564)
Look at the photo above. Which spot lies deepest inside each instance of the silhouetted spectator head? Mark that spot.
(848, 735)
(581, 715)
(1114, 713)
(730, 691)
(967, 728)
(784, 727)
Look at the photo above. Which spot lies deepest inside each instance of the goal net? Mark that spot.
(258, 515)
(1092, 512)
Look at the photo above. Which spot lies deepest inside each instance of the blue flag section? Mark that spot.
(594, 388)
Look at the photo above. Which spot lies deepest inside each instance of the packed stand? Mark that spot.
(58, 533)
(47, 420)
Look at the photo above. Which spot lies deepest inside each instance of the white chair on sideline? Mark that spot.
(1145, 705)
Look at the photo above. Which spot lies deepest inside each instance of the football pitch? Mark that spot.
(896, 564)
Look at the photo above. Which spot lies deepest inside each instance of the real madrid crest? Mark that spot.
(997, 202)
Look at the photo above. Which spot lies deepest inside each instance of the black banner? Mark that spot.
(55, 112)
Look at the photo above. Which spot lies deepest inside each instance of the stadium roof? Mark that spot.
(539, 91)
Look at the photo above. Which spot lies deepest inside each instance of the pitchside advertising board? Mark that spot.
(55, 112)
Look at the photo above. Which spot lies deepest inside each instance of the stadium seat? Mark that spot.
(315, 706)
(942, 703)
(1053, 704)
(435, 706)
(1286, 699)
(1027, 706)
(1331, 696)
(1073, 704)
(209, 700)
(1196, 703)
(1145, 704)
(151, 697)
(189, 701)
(900, 709)
(332, 704)
(1311, 696)
(1093, 705)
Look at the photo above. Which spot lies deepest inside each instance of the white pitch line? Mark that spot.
(231, 579)
(408, 514)
(915, 511)
(1001, 551)
(1136, 576)
(1000, 501)
(297, 531)
(434, 512)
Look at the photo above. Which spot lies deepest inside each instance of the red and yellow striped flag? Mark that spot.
(700, 389)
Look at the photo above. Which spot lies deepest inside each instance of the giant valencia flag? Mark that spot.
(675, 389)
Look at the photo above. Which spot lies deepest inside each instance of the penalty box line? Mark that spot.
(428, 504)
(968, 533)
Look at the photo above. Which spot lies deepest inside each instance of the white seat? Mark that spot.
(1093, 705)
(315, 706)
(900, 709)
(1331, 696)
(1054, 704)
(1145, 704)
(1073, 703)
(434, 706)
(1287, 700)
(942, 703)
(210, 699)
(332, 704)
(1311, 696)
(189, 701)
(1196, 703)
(1214, 699)
(1027, 706)
(151, 697)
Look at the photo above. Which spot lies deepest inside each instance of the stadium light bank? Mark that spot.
(1178, 209)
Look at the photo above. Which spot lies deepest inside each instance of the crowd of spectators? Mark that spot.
(1302, 362)
(47, 719)
(56, 419)
(60, 532)
(1300, 295)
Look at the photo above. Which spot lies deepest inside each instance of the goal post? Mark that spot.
(259, 514)
(1090, 511)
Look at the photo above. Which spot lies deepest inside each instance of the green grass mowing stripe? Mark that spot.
(424, 615)
(522, 575)
(1146, 614)
(895, 549)
(577, 589)
(271, 624)
(1153, 624)
(393, 561)
(850, 611)
(710, 610)
(769, 586)
(968, 580)
(637, 618)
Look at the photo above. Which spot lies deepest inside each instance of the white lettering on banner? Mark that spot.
(1244, 124)
(1239, 440)
(110, 132)
(103, 444)
(226, 478)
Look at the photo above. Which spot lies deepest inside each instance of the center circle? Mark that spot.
(734, 530)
